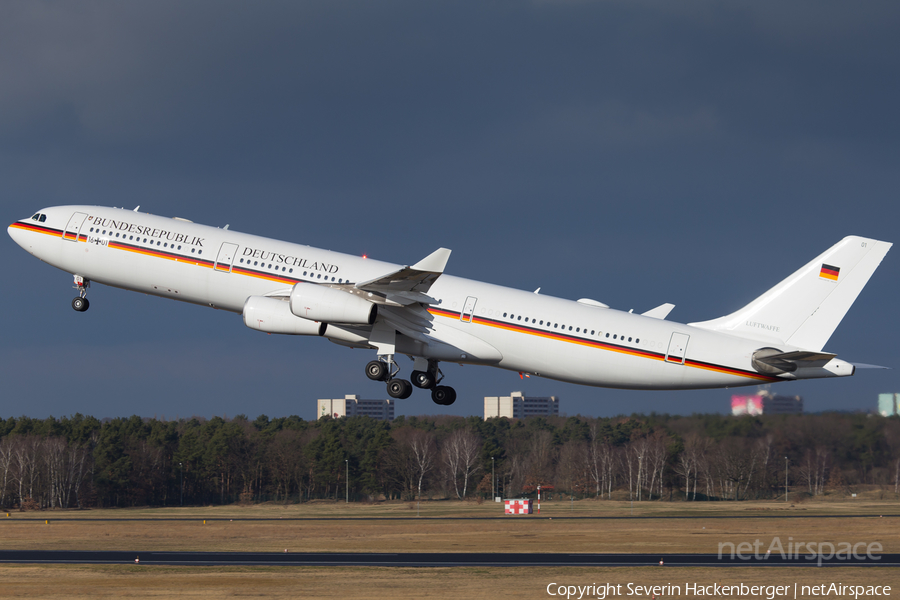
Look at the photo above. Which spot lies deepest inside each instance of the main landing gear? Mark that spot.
(385, 369)
(80, 303)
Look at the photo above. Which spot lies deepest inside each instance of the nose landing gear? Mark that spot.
(80, 303)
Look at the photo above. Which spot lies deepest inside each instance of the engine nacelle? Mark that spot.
(272, 315)
(321, 303)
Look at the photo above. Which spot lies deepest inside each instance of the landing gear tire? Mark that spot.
(375, 370)
(443, 395)
(399, 388)
(422, 379)
(80, 304)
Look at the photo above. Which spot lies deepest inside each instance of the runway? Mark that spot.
(434, 559)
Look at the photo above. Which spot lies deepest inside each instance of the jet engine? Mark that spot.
(321, 303)
(272, 315)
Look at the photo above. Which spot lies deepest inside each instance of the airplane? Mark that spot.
(417, 310)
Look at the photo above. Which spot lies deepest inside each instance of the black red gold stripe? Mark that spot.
(601, 345)
(438, 312)
(37, 228)
(200, 262)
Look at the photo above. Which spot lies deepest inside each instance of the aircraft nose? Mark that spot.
(16, 233)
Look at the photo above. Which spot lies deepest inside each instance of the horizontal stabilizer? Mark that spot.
(772, 361)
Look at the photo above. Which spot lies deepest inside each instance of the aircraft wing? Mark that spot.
(409, 285)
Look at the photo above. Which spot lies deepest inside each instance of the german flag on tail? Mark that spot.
(829, 272)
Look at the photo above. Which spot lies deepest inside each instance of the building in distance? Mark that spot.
(352, 405)
(888, 404)
(519, 406)
(765, 402)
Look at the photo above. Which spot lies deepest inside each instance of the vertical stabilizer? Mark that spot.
(804, 310)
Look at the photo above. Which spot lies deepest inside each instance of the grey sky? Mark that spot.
(633, 152)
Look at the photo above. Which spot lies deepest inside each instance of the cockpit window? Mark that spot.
(39, 217)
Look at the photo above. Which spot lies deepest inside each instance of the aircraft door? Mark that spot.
(468, 310)
(677, 348)
(226, 257)
(73, 227)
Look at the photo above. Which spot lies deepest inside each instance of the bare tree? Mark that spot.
(813, 468)
(27, 452)
(600, 461)
(6, 465)
(460, 452)
(657, 455)
(690, 461)
(424, 453)
(414, 458)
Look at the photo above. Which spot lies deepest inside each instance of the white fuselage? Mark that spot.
(531, 333)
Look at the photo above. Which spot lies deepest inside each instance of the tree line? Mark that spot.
(80, 461)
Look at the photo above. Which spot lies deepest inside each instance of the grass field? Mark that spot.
(394, 527)
(23, 581)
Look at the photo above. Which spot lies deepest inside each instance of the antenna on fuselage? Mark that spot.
(137, 207)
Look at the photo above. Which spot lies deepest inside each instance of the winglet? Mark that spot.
(417, 278)
(434, 262)
(660, 312)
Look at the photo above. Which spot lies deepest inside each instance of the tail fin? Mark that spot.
(804, 310)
